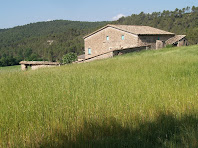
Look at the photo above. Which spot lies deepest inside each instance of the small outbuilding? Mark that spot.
(177, 40)
(37, 64)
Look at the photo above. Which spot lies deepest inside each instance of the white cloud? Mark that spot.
(49, 20)
(115, 18)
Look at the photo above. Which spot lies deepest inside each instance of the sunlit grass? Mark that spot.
(10, 69)
(144, 99)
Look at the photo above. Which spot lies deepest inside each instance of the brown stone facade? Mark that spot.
(113, 40)
(109, 39)
(145, 40)
(182, 42)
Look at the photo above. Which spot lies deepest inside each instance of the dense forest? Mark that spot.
(43, 40)
(51, 40)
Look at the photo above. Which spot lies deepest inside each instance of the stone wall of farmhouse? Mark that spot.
(151, 40)
(182, 42)
(98, 42)
(160, 44)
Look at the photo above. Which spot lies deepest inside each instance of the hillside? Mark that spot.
(142, 99)
(44, 40)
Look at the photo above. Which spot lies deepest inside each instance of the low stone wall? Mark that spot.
(125, 51)
(102, 56)
(114, 53)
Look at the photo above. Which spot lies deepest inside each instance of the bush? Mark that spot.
(69, 58)
(8, 61)
(169, 46)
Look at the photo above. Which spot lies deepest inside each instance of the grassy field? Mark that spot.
(10, 69)
(144, 99)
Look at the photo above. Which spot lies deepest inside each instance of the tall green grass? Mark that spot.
(10, 69)
(143, 99)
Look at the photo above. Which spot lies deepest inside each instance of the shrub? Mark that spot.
(69, 58)
(169, 46)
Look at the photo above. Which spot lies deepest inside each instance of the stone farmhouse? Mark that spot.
(114, 40)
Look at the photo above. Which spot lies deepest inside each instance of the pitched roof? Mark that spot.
(137, 30)
(175, 39)
(39, 63)
(141, 30)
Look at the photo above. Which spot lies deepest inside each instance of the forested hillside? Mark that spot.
(51, 40)
(43, 40)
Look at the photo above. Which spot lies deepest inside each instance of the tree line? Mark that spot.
(179, 21)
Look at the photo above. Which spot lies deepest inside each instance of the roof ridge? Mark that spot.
(135, 29)
(145, 27)
(127, 25)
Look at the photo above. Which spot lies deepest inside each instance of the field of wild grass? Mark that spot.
(142, 99)
(10, 69)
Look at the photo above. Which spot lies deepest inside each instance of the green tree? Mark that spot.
(69, 58)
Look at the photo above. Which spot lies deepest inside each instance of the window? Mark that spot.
(122, 37)
(89, 51)
(107, 38)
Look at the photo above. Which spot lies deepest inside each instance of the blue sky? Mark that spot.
(20, 12)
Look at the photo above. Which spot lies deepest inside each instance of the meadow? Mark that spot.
(141, 99)
(10, 69)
